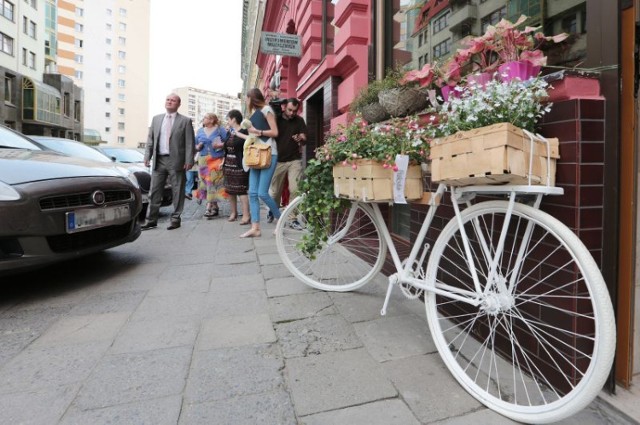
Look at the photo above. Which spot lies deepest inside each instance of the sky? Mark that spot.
(194, 43)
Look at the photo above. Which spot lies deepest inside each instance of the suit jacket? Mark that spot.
(181, 141)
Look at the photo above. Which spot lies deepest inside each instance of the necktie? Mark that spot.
(166, 129)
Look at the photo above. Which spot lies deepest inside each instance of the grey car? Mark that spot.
(54, 207)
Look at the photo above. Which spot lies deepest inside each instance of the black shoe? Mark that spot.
(173, 225)
(149, 225)
(270, 217)
(188, 196)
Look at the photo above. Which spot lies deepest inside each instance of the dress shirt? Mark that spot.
(165, 134)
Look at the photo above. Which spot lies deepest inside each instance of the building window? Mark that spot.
(32, 3)
(121, 83)
(122, 41)
(107, 114)
(78, 75)
(442, 48)
(7, 9)
(120, 126)
(79, 58)
(108, 56)
(441, 22)
(570, 24)
(122, 26)
(420, 40)
(8, 88)
(79, 27)
(79, 11)
(122, 69)
(121, 140)
(76, 110)
(32, 60)
(107, 71)
(107, 100)
(108, 26)
(24, 56)
(7, 43)
(121, 96)
(122, 55)
(121, 111)
(123, 12)
(493, 18)
(78, 42)
(109, 12)
(107, 40)
(107, 129)
(32, 29)
(107, 85)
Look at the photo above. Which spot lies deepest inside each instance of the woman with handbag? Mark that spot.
(210, 144)
(263, 126)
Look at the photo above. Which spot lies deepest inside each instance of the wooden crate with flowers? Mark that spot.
(364, 160)
(487, 122)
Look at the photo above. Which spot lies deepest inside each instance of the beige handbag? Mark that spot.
(258, 156)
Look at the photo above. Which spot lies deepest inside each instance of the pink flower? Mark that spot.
(536, 57)
(395, 168)
(354, 167)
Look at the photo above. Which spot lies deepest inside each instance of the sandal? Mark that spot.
(232, 217)
(244, 223)
(252, 233)
(209, 211)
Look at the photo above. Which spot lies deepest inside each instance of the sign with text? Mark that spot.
(274, 43)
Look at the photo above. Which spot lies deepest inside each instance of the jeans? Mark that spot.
(191, 180)
(259, 182)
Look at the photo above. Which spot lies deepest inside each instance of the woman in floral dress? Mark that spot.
(236, 180)
(210, 143)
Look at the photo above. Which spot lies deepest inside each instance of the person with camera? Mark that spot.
(292, 136)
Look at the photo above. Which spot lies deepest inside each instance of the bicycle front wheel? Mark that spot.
(540, 345)
(351, 257)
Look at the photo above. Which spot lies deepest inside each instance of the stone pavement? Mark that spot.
(198, 326)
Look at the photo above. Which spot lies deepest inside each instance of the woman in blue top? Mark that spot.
(210, 140)
(263, 126)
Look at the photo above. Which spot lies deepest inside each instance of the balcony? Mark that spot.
(466, 15)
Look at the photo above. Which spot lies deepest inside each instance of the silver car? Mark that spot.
(54, 207)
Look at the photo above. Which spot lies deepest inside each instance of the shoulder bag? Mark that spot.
(258, 156)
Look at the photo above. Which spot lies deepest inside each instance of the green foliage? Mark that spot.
(319, 202)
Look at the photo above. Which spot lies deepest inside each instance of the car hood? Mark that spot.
(23, 166)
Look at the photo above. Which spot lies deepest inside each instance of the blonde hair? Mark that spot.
(213, 117)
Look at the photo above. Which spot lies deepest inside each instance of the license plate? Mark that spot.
(87, 219)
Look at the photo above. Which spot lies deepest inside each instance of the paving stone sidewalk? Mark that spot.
(198, 326)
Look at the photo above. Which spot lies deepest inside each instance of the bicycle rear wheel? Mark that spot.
(538, 351)
(353, 254)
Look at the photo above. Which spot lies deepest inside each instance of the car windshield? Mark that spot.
(72, 148)
(11, 139)
(124, 155)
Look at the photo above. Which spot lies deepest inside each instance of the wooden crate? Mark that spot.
(496, 154)
(372, 182)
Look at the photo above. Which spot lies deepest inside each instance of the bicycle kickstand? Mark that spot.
(393, 279)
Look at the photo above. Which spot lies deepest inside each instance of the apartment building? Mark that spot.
(35, 102)
(197, 102)
(104, 47)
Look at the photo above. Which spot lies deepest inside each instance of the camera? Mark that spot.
(276, 105)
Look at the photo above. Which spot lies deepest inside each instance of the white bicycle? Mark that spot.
(516, 305)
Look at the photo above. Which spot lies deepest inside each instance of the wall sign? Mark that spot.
(274, 43)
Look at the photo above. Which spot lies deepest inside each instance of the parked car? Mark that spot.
(55, 207)
(134, 156)
(80, 150)
(124, 155)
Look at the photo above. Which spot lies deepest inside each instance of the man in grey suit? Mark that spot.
(170, 150)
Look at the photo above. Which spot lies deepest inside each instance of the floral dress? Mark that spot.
(236, 180)
(211, 183)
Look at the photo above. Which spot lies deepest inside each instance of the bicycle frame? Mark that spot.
(404, 273)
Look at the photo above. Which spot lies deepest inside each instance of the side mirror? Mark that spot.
(113, 158)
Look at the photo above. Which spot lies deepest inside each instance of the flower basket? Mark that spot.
(401, 101)
(372, 182)
(374, 112)
(524, 70)
(496, 154)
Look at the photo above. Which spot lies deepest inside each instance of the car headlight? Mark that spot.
(7, 193)
(132, 178)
